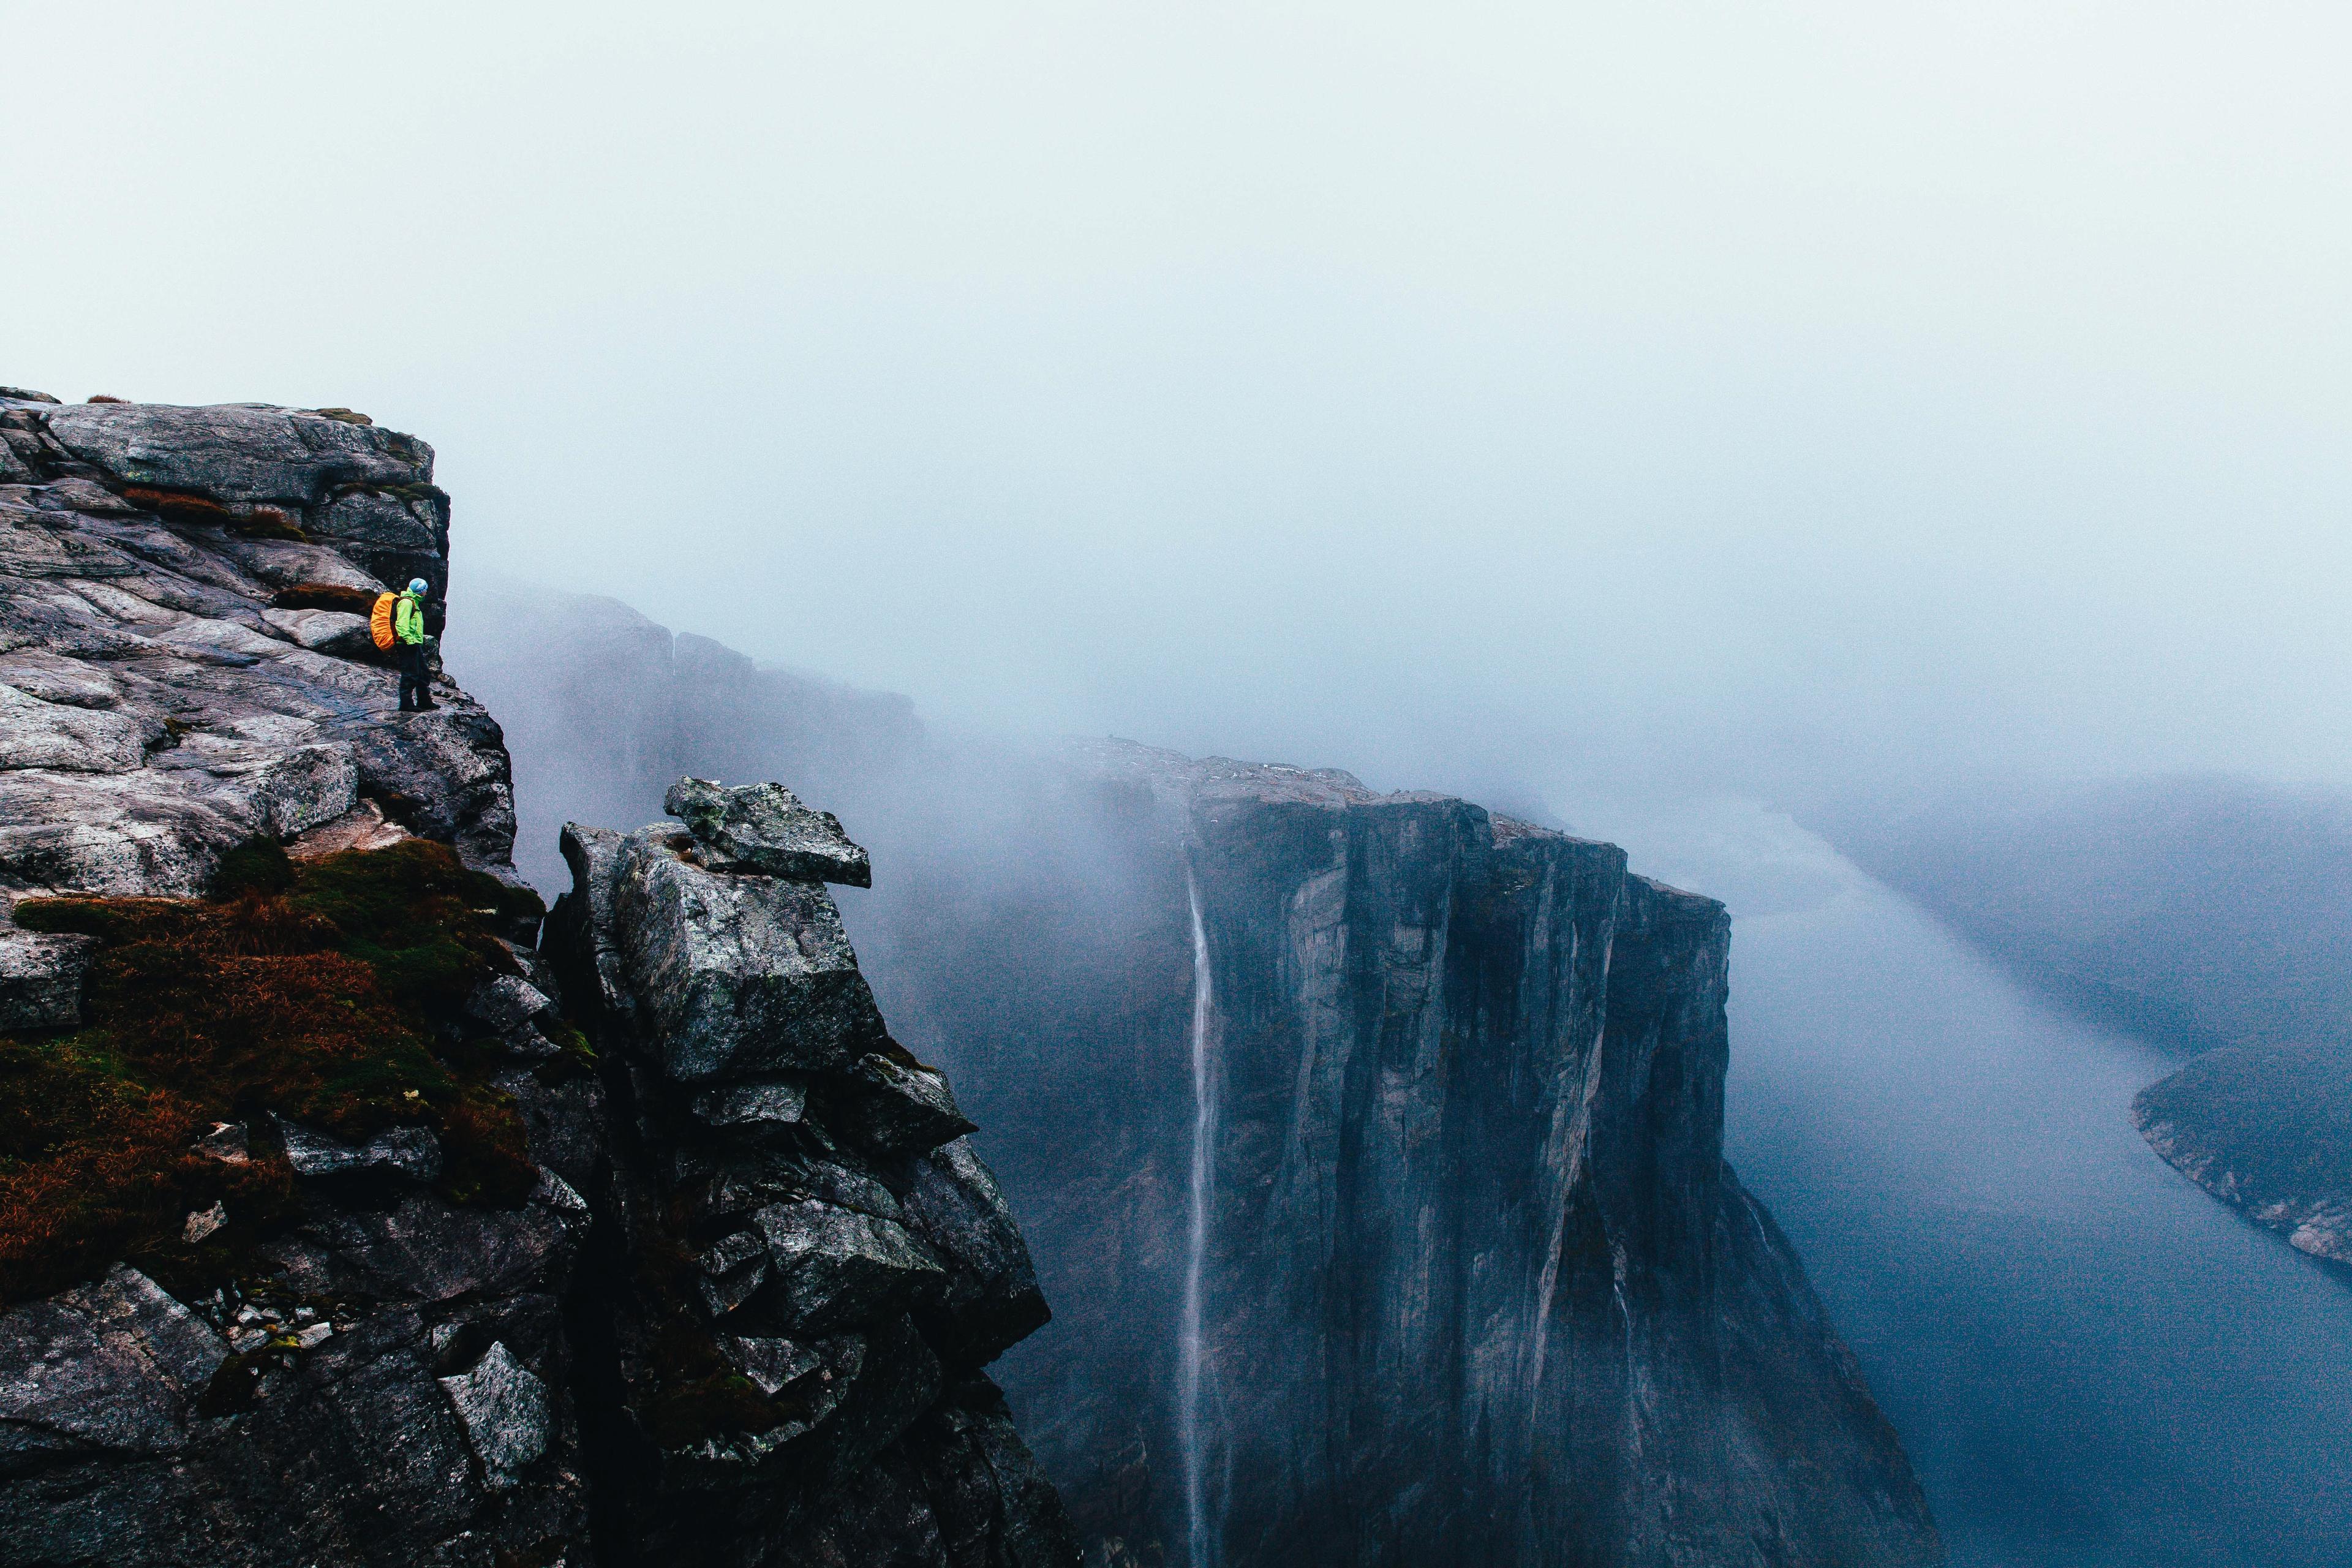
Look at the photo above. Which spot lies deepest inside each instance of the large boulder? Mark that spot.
(114, 1365)
(991, 1301)
(41, 979)
(733, 973)
(763, 828)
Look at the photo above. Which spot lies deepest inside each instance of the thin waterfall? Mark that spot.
(1633, 1379)
(1204, 1127)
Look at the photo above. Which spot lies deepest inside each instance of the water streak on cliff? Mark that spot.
(1204, 1132)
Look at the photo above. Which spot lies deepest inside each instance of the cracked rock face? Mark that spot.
(158, 705)
(393, 1384)
(849, 1267)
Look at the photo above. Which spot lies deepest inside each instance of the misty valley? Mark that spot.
(1233, 786)
(647, 1105)
(2084, 1358)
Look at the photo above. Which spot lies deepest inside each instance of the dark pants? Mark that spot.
(415, 678)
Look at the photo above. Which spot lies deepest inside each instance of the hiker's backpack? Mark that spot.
(380, 621)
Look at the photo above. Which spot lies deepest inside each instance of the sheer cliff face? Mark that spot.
(1469, 1282)
(733, 1306)
(1394, 1224)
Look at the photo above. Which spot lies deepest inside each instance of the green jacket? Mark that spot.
(407, 619)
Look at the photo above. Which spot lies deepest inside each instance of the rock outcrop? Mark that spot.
(764, 1343)
(169, 685)
(1371, 1145)
(814, 1267)
(2268, 1131)
(169, 690)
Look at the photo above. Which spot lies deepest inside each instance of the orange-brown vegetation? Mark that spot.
(329, 992)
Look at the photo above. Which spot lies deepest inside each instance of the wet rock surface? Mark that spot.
(394, 1376)
(765, 828)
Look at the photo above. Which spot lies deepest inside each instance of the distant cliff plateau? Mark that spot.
(1370, 1145)
(345, 1221)
(2203, 915)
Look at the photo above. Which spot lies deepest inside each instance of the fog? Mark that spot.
(1787, 399)
(1679, 422)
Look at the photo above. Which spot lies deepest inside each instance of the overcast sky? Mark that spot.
(1750, 394)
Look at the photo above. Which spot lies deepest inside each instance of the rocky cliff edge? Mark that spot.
(455, 1281)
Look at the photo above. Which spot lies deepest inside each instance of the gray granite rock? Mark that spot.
(893, 1104)
(834, 1267)
(425, 1249)
(41, 979)
(237, 451)
(763, 828)
(336, 632)
(111, 1365)
(769, 1102)
(157, 710)
(226, 1142)
(38, 734)
(410, 1151)
(508, 1002)
(991, 1301)
(505, 1408)
(736, 974)
(378, 517)
(773, 1118)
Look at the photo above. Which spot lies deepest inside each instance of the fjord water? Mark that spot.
(2090, 1361)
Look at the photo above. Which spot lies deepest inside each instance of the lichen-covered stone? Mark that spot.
(41, 979)
(410, 1151)
(763, 828)
(736, 974)
(505, 1408)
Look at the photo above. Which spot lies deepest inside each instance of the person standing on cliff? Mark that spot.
(408, 633)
